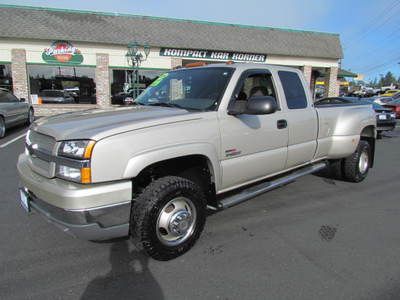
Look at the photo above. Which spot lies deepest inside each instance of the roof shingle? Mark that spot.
(120, 29)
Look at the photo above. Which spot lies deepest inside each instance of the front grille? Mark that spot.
(44, 144)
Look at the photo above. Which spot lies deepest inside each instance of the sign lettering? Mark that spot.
(214, 55)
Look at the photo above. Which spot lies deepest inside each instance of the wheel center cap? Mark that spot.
(180, 222)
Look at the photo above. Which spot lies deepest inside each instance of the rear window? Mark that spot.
(293, 89)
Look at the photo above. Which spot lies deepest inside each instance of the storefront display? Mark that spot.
(5, 77)
(122, 84)
(77, 82)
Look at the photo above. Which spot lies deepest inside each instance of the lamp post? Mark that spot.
(135, 56)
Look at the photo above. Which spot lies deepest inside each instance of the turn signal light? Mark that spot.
(86, 175)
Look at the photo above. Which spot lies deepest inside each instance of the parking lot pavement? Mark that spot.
(313, 239)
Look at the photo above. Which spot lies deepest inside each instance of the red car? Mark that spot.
(395, 106)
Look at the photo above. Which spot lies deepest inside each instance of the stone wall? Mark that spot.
(102, 74)
(19, 73)
(176, 62)
(307, 71)
(44, 110)
(331, 82)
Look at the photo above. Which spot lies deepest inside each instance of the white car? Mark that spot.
(383, 100)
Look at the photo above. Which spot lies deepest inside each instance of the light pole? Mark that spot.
(135, 56)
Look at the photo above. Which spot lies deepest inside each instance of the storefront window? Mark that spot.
(62, 84)
(122, 86)
(5, 77)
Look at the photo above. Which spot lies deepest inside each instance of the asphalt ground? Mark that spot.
(313, 239)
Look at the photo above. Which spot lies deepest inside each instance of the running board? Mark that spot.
(269, 185)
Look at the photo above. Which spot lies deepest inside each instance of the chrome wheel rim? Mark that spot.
(176, 221)
(363, 162)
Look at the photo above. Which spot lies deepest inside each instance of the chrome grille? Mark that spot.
(45, 144)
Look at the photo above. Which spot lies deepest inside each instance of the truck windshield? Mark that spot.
(192, 89)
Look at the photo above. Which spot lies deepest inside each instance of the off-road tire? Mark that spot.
(351, 170)
(147, 207)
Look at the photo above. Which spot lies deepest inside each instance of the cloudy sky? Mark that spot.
(369, 30)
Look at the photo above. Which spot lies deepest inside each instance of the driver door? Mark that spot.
(253, 146)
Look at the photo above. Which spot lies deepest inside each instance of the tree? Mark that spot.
(388, 79)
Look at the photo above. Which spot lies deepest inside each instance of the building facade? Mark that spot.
(48, 52)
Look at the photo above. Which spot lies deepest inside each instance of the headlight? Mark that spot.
(81, 149)
(74, 161)
(393, 115)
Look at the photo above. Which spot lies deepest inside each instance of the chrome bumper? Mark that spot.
(72, 207)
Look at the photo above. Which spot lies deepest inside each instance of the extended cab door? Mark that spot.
(302, 119)
(252, 146)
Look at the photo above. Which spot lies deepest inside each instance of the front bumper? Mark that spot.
(92, 212)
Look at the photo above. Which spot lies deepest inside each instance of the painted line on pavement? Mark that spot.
(13, 140)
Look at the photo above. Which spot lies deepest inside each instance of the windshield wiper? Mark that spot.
(166, 104)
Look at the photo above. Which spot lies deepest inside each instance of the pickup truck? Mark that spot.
(152, 170)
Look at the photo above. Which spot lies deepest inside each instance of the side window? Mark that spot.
(11, 98)
(3, 97)
(294, 90)
(256, 84)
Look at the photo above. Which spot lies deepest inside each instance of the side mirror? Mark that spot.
(261, 105)
(22, 100)
(256, 105)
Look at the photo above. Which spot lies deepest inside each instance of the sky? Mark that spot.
(369, 30)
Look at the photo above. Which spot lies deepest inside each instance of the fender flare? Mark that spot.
(142, 160)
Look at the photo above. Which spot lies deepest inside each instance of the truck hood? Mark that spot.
(99, 123)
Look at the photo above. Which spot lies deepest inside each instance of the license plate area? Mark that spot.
(382, 117)
(24, 200)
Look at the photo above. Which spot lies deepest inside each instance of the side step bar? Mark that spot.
(269, 185)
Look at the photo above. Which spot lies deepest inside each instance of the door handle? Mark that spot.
(281, 124)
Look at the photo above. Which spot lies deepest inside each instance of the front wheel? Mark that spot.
(356, 166)
(168, 217)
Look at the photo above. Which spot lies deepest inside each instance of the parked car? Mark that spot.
(123, 98)
(385, 118)
(56, 96)
(13, 111)
(390, 93)
(381, 100)
(394, 106)
(396, 96)
(196, 134)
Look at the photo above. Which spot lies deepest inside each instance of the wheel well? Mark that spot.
(368, 134)
(196, 168)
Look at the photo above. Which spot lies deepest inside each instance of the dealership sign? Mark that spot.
(213, 55)
(62, 52)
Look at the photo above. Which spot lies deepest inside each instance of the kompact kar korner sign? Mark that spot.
(214, 55)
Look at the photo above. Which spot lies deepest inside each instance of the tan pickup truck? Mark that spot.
(152, 170)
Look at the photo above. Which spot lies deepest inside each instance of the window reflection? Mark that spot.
(122, 85)
(63, 84)
(5, 77)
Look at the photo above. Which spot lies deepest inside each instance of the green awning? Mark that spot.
(341, 73)
(344, 73)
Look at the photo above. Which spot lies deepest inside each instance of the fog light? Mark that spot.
(69, 173)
